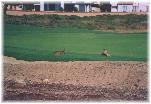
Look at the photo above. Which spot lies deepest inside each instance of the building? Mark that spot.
(82, 6)
(77, 6)
(143, 7)
(51, 6)
(105, 7)
(125, 7)
(67, 6)
(135, 7)
(14, 6)
(114, 7)
(130, 7)
(95, 7)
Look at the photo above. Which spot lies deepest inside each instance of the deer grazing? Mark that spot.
(105, 53)
(59, 53)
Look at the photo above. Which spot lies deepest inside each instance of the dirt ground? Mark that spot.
(77, 80)
(81, 14)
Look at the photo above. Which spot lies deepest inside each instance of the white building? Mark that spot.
(125, 7)
(130, 7)
(114, 7)
(143, 7)
(80, 6)
(136, 7)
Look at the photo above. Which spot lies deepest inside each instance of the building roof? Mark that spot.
(125, 3)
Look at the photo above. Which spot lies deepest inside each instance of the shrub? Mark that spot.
(93, 22)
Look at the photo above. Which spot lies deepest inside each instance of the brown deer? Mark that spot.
(105, 53)
(59, 53)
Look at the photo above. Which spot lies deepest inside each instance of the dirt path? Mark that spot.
(79, 80)
(81, 14)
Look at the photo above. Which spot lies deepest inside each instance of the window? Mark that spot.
(134, 8)
(124, 8)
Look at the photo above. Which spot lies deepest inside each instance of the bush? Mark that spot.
(93, 22)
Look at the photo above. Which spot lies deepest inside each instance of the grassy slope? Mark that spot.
(103, 23)
(38, 43)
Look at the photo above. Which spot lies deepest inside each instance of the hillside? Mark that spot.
(118, 23)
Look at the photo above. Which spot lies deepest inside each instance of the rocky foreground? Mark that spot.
(79, 80)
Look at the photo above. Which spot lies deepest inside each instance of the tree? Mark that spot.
(5, 5)
(105, 7)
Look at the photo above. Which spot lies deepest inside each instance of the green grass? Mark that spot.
(38, 43)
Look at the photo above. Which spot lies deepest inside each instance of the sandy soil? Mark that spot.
(78, 80)
(20, 13)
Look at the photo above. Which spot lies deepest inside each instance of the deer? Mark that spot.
(105, 53)
(59, 52)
